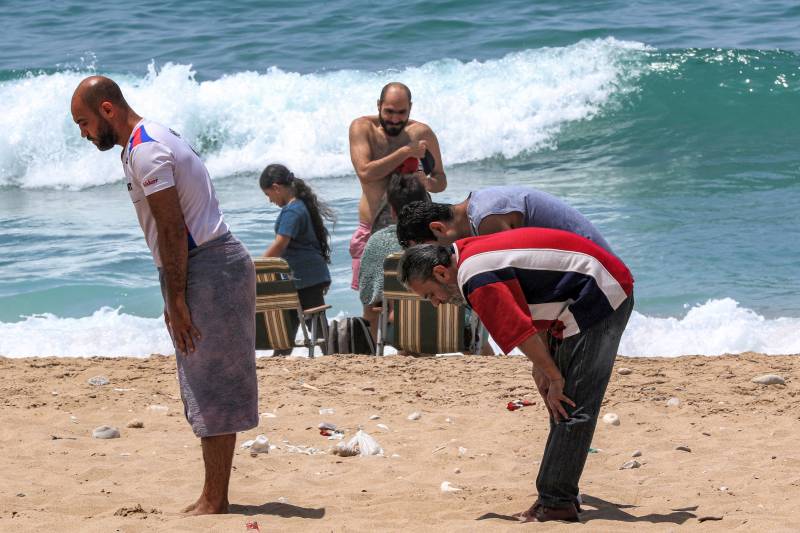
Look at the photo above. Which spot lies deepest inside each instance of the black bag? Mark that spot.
(350, 335)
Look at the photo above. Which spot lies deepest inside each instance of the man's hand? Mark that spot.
(417, 149)
(555, 397)
(542, 385)
(552, 392)
(180, 327)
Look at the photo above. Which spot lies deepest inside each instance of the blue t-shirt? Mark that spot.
(539, 210)
(303, 254)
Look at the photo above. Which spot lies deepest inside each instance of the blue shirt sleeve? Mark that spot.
(290, 222)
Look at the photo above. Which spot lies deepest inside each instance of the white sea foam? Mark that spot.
(713, 328)
(500, 107)
(107, 332)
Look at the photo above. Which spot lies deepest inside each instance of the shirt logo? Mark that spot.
(130, 187)
(149, 182)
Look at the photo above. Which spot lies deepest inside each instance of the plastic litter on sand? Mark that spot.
(361, 444)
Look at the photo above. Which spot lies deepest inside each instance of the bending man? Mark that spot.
(207, 277)
(564, 302)
(491, 210)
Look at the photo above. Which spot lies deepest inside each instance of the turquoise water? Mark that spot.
(673, 127)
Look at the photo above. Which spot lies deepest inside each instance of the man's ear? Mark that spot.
(439, 229)
(441, 274)
(379, 107)
(450, 275)
(107, 109)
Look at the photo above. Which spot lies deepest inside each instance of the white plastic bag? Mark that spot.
(361, 444)
(258, 445)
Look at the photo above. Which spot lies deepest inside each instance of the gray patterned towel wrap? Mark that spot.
(218, 380)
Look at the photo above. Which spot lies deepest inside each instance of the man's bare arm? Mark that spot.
(174, 251)
(548, 378)
(437, 181)
(370, 171)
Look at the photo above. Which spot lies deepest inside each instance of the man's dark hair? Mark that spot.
(101, 89)
(413, 222)
(418, 262)
(404, 189)
(394, 85)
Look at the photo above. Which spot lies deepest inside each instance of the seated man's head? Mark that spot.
(404, 189)
(427, 222)
(430, 271)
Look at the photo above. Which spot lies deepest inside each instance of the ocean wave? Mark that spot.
(713, 328)
(479, 109)
(106, 332)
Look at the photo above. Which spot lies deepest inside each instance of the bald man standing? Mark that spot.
(207, 276)
(381, 146)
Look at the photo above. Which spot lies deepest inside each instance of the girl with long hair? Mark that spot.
(300, 234)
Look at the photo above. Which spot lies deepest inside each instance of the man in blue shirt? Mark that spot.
(489, 211)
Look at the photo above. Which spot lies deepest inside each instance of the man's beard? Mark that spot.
(106, 138)
(392, 130)
(454, 295)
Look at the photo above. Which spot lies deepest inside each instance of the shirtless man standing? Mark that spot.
(382, 145)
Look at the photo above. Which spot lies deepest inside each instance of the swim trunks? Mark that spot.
(357, 244)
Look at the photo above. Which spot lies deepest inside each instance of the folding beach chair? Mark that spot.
(419, 327)
(278, 310)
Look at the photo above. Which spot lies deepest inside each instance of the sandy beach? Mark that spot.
(742, 471)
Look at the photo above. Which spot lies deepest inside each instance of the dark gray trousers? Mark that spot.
(586, 361)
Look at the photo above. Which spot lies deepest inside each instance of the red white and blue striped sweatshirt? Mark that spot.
(530, 279)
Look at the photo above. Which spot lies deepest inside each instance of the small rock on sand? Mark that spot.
(135, 424)
(415, 416)
(374, 417)
(636, 453)
(769, 379)
(611, 419)
(624, 371)
(630, 464)
(105, 432)
(708, 517)
(683, 448)
(98, 381)
(447, 487)
(673, 402)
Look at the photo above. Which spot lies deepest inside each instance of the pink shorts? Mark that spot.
(357, 244)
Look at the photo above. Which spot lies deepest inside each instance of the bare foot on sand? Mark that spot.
(203, 506)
